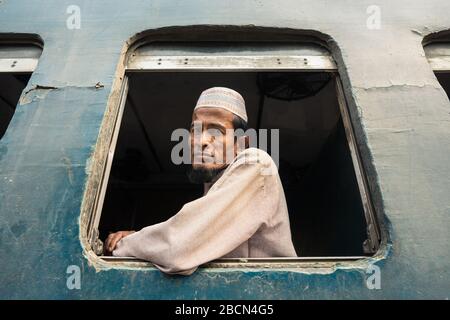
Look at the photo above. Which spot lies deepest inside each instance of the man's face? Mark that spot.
(210, 139)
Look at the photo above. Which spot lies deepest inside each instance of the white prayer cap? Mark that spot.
(225, 98)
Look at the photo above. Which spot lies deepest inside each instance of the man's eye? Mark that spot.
(218, 130)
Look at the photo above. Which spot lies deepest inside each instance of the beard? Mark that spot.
(202, 175)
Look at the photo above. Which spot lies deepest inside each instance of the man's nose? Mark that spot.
(206, 139)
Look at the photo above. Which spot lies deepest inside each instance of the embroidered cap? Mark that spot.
(225, 98)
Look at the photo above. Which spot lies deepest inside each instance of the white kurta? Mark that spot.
(244, 214)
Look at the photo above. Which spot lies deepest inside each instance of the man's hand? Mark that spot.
(113, 239)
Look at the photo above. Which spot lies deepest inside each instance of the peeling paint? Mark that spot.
(68, 165)
(38, 92)
(418, 32)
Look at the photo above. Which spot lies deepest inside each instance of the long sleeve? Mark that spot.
(235, 207)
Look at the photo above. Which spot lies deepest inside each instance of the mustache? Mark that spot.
(203, 154)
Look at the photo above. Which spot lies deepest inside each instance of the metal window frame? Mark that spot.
(227, 63)
(93, 234)
(438, 60)
(17, 57)
(18, 65)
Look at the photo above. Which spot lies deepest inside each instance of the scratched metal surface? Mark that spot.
(401, 114)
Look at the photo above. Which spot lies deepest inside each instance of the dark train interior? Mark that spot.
(315, 166)
(444, 80)
(11, 86)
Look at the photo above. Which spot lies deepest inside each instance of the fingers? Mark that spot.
(112, 240)
(108, 242)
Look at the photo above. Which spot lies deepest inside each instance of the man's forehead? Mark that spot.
(212, 115)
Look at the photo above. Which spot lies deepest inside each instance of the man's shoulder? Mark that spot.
(252, 161)
(255, 152)
(254, 156)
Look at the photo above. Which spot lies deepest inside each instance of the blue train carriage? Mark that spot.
(90, 93)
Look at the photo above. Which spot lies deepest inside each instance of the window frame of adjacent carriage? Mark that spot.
(438, 56)
(249, 62)
(18, 57)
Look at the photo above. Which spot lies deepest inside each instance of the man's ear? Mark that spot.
(246, 141)
(242, 143)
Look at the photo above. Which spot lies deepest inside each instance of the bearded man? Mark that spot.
(243, 212)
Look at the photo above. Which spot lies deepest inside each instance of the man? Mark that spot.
(243, 211)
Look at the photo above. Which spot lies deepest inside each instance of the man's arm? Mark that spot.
(236, 206)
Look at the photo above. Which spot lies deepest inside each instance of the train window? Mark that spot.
(17, 63)
(291, 87)
(438, 54)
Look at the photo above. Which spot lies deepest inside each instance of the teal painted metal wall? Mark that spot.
(403, 130)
